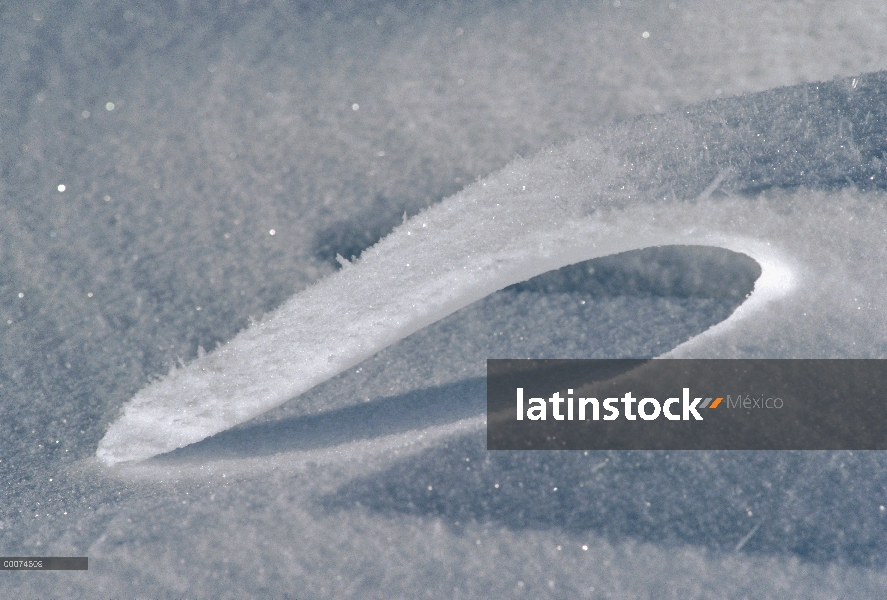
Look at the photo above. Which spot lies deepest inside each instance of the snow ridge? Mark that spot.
(692, 177)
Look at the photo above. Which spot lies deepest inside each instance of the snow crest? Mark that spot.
(746, 174)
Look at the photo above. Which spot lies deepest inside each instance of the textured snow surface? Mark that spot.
(172, 174)
(623, 189)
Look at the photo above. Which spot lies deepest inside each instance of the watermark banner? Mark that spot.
(662, 404)
(44, 563)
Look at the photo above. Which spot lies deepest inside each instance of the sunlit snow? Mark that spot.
(621, 190)
(327, 215)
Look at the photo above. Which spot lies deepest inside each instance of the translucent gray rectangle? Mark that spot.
(687, 404)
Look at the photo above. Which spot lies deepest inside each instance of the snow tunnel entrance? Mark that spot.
(680, 271)
(640, 303)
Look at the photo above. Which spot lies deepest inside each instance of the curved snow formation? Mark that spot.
(781, 176)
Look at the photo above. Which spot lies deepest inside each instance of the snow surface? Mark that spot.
(589, 199)
(184, 136)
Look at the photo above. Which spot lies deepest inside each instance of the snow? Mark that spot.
(184, 136)
(566, 205)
